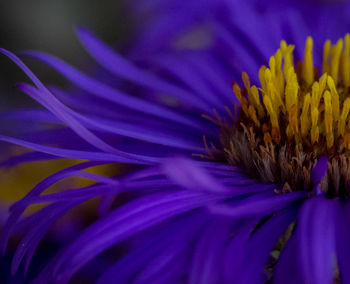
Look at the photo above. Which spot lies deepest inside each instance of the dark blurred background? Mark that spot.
(49, 26)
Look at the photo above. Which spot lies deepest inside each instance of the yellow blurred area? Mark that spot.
(16, 181)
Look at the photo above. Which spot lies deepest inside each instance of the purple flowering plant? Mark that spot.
(233, 177)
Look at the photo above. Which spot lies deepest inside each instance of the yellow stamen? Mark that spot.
(271, 90)
(262, 77)
(335, 98)
(297, 106)
(278, 76)
(292, 88)
(287, 52)
(252, 113)
(328, 119)
(314, 128)
(275, 97)
(244, 104)
(256, 101)
(322, 83)
(316, 95)
(343, 117)
(308, 66)
(304, 118)
(335, 59)
(246, 81)
(345, 62)
(271, 111)
(293, 119)
(272, 65)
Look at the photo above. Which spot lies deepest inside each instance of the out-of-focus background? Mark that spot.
(49, 26)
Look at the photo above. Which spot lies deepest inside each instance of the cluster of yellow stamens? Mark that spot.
(295, 104)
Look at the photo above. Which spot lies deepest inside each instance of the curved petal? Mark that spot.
(287, 269)
(132, 264)
(130, 219)
(101, 90)
(75, 154)
(109, 59)
(185, 173)
(316, 240)
(208, 254)
(33, 236)
(256, 205)
(261, 244)
(234, 254)
(343, 239)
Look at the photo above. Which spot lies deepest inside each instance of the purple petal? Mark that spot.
(234, 255)
(316, 240)
(99, 89)
(208, 255)
(33, 236)
(185, 173)
(261, 244)
(342, 221)
(75, 154)
(18, 208)
(243, 56)
(132, 130)
(257, 205)
(186, 73)
(43, 95)
(213, 73)
(287, 269)
(181, 232)
(84, 193)
(129, 219)
(176, 250)
(61, 112)
(26, 157)
(113, 62)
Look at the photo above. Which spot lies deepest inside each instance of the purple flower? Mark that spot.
(263, 197)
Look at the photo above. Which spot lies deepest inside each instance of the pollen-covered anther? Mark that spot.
(305, 118)
(298, 112)
(305, 109)
(308, 67)
(243, 101)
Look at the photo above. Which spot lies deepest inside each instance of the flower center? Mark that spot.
(294, 117)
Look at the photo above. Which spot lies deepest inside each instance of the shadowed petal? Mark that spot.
(234, 254)
(181, 232)
(287, 269)
(109, 59)
(342, 239)
(209, 252)
(185, 173)
(260, 205)
(316, 240)
(131, 218)
(261, 244)
(101, 90)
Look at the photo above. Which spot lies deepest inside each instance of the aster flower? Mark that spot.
(264, 197)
